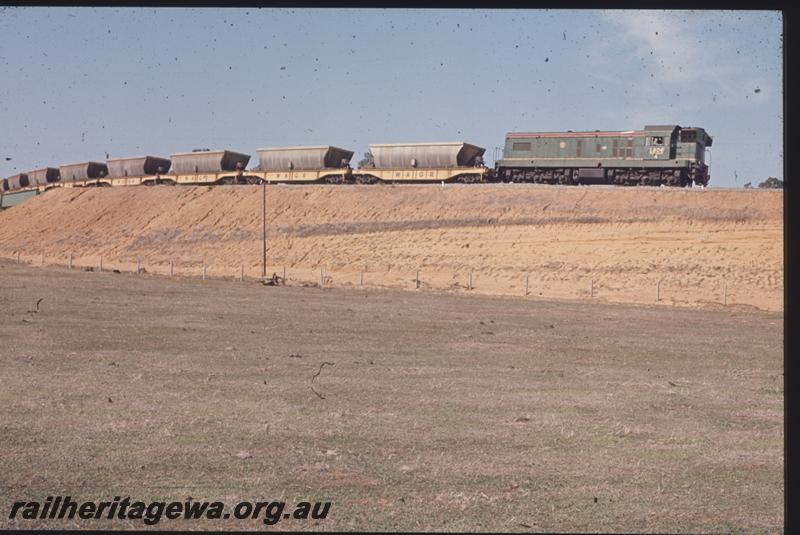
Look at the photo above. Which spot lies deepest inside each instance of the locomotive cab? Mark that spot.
(692, 146)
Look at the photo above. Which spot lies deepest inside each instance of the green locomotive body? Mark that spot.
(658, 155)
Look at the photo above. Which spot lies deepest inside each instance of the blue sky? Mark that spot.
(78, 83)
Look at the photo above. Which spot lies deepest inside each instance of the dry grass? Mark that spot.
(441, 412)
(626, 239)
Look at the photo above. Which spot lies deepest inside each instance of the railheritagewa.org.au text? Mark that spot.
(150, 513)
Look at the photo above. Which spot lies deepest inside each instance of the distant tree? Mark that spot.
(772, 182)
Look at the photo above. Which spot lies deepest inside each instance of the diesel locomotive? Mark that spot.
(668, 155)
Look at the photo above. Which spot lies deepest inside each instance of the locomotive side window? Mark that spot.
(521, 146)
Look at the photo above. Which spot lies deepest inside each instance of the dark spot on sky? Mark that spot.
(757, 90)
(546, 60)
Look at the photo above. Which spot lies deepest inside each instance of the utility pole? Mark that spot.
(264, 230)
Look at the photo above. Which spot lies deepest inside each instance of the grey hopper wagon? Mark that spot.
(45, 175)
(208, 161)
(18, 182)
(303, 158)
(83, 171)
(137, 166)
(426, 155)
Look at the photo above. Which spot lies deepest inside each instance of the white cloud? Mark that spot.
(679, 51)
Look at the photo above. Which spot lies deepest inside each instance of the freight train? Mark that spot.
(666, 155)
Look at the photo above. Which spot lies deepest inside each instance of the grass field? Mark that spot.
(685, 247)
(440, 412)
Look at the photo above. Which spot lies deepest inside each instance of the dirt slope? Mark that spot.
(704, 246)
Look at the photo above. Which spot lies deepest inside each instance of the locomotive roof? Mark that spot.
(593, 133)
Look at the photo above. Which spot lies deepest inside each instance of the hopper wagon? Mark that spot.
(83, 174)
(146, 170)
(327, 164)
(210, 167)
(46, 176)
(17, 182)
(455, 161)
